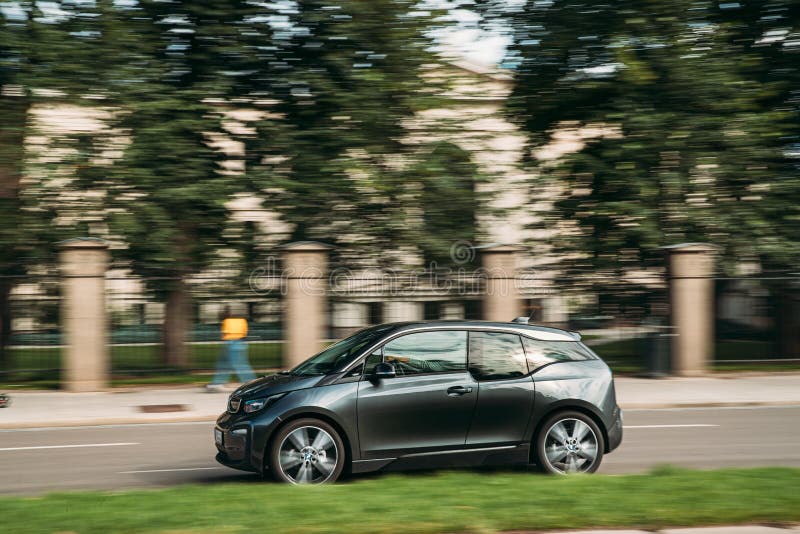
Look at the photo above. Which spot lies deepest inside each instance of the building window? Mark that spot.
(433, 310)
(375, 313)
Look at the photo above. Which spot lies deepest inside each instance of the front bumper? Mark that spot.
(222, 458)
(233, 446)
(244, 439)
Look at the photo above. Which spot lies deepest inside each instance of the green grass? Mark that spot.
(262, 355)
(443, 502)
(627, 356)
(138, 357)
(755, 367)
(132, 365)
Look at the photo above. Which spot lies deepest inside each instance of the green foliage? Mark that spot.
(697, 115)
(167, 192)
(448, 201)
(346, 87)
(41, 61)
(441, 502)
(315, 97)
(328, 88)
(37, 65)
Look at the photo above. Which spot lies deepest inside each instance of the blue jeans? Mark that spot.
(233, 360)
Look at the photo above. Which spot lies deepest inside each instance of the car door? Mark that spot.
(427, 407)
(505, 389)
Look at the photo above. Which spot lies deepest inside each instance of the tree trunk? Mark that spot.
(13, 124)
(6, 360)
(787, 321)
(175, 351)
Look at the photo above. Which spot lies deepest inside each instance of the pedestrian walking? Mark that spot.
(233, 358)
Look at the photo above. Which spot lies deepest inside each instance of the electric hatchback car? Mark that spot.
(425, 395)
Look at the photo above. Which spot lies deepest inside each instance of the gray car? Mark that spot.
(425, 395)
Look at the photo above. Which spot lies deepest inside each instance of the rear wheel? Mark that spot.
(307, 451)
(569, 442)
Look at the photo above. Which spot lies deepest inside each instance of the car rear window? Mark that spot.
(540, 353)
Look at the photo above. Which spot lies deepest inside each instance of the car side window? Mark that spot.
(436, 351)
(496, 356)
(539, 353)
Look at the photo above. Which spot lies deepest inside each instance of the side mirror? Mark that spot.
(383, 370)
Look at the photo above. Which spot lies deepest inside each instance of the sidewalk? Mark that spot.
(727, 389)
(146, 405)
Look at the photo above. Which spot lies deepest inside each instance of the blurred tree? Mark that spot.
(691, 120)
(179, 64)
(768, 32)
(448, 202)
(350, 76)
(14, 107)
(325, 89)
(42, 60)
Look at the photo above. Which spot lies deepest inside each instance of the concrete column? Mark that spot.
(347, 317)
(501, 301)
(691, 296)
(554, 311)
(453, 311)
(305, 310)
(395, 311)
(84, 321)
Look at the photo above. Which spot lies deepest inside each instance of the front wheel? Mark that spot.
(569, 442)
(307, 451)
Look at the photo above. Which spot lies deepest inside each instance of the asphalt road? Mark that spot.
(155, 455)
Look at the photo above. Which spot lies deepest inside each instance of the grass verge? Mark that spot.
(440, 502)
(626, 356)
(143, 357)
(132, 365)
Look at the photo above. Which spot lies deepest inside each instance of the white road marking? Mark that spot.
(668, 426)
(67, 446)
(709, 408)
(168, 470)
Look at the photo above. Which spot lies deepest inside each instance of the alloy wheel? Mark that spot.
(571, 446)
(308, 455)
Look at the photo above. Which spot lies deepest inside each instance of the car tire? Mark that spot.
(569, 442)
(307, 451)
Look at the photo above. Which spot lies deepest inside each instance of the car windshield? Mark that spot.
(335, 357)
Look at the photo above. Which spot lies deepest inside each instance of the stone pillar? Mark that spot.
(453, 311)
(305, 314)
(84, 321)
(691, 298)
(554, 311)
(501, 300)
(397, 310)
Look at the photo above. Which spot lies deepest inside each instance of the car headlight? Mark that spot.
(254, 405)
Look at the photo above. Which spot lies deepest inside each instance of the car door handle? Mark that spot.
(457, 391)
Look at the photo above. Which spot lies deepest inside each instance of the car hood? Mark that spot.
(274, 384)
